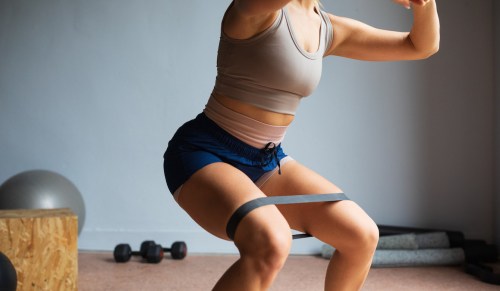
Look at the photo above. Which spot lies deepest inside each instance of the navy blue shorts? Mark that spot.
(201, 141)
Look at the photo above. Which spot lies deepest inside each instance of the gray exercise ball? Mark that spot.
(42, 189)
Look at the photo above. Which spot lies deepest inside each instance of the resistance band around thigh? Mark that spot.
(247, 207)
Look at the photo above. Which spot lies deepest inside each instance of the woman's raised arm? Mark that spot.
(354, 39)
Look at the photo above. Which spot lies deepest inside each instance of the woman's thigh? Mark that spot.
(336, 223)
(213, 193)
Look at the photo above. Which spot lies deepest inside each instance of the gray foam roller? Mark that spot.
(412, 241)
(414, 258)
(410, 258)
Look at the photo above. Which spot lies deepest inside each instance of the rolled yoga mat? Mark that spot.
(456, 238)
(412, 249)
(412, 241)
(422, 257)
(410, 258)
(394, 237)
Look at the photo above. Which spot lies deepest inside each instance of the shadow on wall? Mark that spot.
(496, 56)
(456, 141)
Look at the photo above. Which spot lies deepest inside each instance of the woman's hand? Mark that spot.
(406, 3)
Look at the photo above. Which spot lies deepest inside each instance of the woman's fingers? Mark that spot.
(406, 3)
(420, 2)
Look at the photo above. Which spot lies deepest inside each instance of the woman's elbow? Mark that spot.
(433, 50)
(424, 52)
(423, 48)
(429, 52)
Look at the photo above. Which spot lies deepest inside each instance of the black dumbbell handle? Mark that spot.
(164, 249)
(178, 250)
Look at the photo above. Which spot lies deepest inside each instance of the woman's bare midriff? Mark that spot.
(265, 116)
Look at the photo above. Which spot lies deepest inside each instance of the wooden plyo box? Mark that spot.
(43, 247)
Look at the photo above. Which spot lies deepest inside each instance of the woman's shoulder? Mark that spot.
(237, 24)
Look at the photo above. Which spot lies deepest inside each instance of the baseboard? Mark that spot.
(198, 242)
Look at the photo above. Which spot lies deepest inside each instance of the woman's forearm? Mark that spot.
(424, 34)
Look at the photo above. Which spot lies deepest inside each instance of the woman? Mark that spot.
(270, 56)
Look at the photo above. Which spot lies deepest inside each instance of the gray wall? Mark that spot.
(94, 90)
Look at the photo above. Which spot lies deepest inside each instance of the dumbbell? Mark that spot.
(152, 252)
(123, 252)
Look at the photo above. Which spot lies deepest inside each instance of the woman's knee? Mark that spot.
(266, 248)
(371, 235)
(363, 237)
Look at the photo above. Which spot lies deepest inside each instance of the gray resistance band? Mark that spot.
(244, 209)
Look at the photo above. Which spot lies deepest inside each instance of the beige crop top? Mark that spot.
(271, 70)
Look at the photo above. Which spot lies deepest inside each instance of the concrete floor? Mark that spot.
(98, 271)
